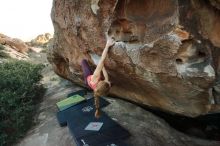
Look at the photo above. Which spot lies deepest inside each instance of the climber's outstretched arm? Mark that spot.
(105, 74)
(97, 72)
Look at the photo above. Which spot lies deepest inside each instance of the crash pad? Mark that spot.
(70, 101)
(90, 131)
(69, 113)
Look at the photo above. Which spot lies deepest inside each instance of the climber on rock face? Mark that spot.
(93, 80)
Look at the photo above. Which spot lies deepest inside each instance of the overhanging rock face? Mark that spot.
(166, 55)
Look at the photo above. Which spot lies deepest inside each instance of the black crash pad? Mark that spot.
(109, 131)
(74, 111)
(81, 116)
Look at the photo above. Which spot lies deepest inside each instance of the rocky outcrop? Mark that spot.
(166, 55)
(12, 53)
(41, 39)
(14, 43)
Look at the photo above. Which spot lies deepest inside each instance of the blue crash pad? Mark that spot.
(78, 117)
(109, 131)
(71, 112)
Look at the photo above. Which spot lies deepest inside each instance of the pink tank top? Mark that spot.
(90, 83)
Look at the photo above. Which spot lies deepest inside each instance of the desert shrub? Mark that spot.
(19, 92)
(2, 47)
(3, 55)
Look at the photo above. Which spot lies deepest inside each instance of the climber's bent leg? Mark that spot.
(86, 70)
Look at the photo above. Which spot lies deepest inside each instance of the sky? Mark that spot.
(25, 19)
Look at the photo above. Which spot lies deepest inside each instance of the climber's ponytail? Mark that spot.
(97, 112)
(102, 89)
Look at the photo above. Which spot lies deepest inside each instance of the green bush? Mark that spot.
(4, 55)
(2, 47)
(19, 92)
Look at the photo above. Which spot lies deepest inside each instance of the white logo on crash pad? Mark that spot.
(87, 109)
(112, 144)
(94, 126)
(84, 144)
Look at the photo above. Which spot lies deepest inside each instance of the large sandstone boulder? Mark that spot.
(166, 55)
